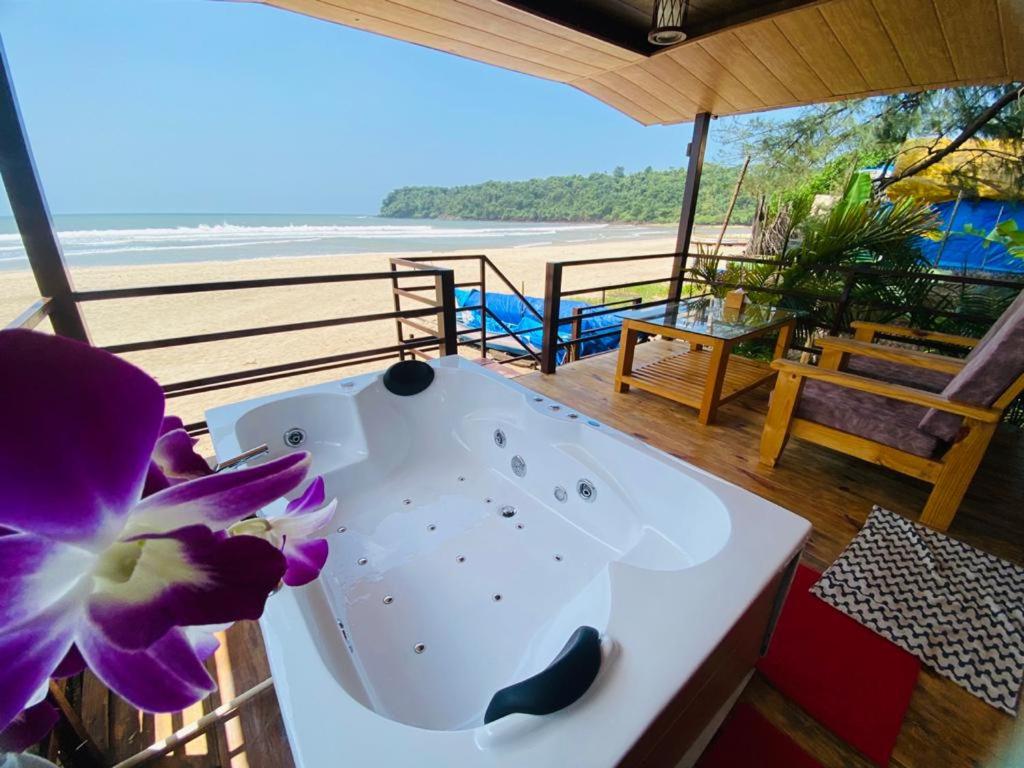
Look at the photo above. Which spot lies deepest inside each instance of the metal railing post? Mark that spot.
(28, 204)
(483, 308)
(448, 337)
(688, 209)
(552, 314)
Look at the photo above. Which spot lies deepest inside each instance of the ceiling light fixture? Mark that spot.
(668, 24)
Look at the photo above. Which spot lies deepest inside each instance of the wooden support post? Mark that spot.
(780, 415)
(577, 331)
(552, 312)
(689, 208)
(28, 204)
(449, 337)
(398, 308)
(627, 345)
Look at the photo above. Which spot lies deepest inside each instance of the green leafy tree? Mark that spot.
(815, 151)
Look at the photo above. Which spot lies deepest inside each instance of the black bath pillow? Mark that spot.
(409, 377)
(566, 679)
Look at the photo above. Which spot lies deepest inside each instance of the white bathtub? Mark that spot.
(479, 524)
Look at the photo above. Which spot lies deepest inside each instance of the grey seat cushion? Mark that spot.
(882, 419)
(1009, 312)
(987, 375)
(898, 373)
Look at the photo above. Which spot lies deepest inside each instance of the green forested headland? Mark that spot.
(647, 196)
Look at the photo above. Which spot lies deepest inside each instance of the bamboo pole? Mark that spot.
(192, 730)
(949, 226)
(732, 204)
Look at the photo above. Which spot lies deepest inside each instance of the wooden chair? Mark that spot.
(926, 415)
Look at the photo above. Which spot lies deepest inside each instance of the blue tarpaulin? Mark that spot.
(962, 250)
(511, 310)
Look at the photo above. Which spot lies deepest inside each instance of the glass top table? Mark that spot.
(709, 317)
(706, 374)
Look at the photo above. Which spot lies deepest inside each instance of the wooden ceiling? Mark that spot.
(787, 56)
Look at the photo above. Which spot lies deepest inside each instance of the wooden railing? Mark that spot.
(441, 305)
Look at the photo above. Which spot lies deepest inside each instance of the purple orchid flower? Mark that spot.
(175, 461)
(291, 533)
(93, 569)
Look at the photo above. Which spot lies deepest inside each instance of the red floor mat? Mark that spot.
(748, 740)
(852, 681)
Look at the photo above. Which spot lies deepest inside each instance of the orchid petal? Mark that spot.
(171, 423)
(189, 576)
(32, 650)
(221, 499)
(70, 665)
(305, 560)
(205, 644)
(311, 498)
(174, 454)
(165, 677)
(59, 397)
(156, 481)
(302, 526)
(30, 727)
(36, 573)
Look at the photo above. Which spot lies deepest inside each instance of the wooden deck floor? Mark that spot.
(945, 726)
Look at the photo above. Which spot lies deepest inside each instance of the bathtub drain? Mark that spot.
(294, 437)
(507, 510)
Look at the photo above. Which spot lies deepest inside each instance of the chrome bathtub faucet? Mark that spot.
(241, 458)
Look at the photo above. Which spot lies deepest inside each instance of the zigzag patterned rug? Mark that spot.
(958, 609)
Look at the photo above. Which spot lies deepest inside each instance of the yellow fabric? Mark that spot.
(986, 168)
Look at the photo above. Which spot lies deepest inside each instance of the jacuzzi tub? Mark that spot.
(479, 524)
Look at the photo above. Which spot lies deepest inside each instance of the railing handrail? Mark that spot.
(239, 285)
(203, 338)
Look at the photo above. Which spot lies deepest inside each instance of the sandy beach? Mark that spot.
(119, 321)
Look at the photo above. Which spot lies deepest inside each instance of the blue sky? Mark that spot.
(203, 106)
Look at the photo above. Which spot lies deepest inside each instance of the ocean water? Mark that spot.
(125, 239)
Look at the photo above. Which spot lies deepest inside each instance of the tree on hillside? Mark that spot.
(647, 196)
